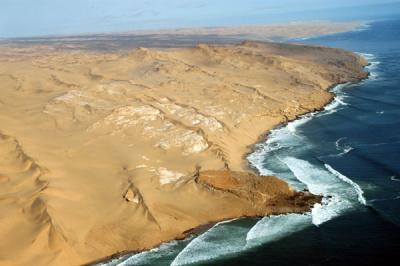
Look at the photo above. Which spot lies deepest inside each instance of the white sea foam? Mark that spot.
(338, 101)
(317, 180)
(367, 56)
(337, 143)
(332, 105)
(221, 240)
(339, 196)
(113, 262)
(293, 125)
(280, 138)
(362, 27)
(276, 227)
(307, 174)
(304, 38)
(373, 75)
(145, 256)
(356, 187)
(339, 87)
(224, 238)
(328, 209)
(257, 160)
(372, 66)
(344, 148)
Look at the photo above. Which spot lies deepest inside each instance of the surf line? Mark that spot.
(357, 188)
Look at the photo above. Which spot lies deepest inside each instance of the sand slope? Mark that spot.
(102, 153)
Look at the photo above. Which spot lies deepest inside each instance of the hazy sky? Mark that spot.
(56, 17)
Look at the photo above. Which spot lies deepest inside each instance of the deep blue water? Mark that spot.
(370, 122)
(350, 152)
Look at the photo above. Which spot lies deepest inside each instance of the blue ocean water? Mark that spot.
(349, 152)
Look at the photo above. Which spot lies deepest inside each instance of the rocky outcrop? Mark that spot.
(266, 194)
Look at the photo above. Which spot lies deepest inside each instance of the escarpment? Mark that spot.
(109, 152)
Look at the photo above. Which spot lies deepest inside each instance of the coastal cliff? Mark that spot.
(102, 153)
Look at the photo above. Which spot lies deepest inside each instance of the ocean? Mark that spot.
(349, 152)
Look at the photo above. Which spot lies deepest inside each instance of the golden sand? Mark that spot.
(106, 152)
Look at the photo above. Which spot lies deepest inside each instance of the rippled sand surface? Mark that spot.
(101, 153)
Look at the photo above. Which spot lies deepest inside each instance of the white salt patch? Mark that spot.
(190, 141)
(191, 116)
(168, 176)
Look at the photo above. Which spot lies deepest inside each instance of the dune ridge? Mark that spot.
(103, 153)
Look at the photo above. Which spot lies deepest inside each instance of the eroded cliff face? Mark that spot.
(102, 153)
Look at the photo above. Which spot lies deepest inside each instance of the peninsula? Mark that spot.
(103, 152)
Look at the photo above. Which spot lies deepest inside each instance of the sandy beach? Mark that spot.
(107, 152)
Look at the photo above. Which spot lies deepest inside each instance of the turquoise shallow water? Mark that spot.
(349, 152)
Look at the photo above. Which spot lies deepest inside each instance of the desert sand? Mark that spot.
(106, 152)
(299, 29)
(184, 37)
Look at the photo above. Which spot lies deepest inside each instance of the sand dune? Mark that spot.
(102, 153)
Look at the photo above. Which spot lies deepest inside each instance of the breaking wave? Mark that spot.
(394, 178)
(273, 228)
(144, 257)
(362, 27)
(338, 198)
(357, 188)
(152, 256)
(222, 239)
(372, 66)
(293, 125)
(345, 148)
(225, 239)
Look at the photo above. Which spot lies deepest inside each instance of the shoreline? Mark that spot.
(263, 137)
(207, 105)
(252, 148)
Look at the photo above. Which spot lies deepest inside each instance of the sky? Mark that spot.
(25, 18)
